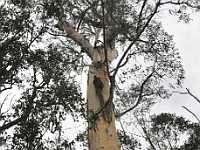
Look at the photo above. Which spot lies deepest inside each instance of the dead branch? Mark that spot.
(191, 113)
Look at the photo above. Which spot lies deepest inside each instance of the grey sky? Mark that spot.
(187, 39)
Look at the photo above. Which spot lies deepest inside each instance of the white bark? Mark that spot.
(102, 135)
(78, 38)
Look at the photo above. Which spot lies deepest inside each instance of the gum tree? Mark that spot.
(123, 43)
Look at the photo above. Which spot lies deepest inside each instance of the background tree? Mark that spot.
(42, 76)
(168, 131)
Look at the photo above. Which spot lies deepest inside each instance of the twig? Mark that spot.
(192, 113)
(197, 99)
(135, 39)
(139, 97)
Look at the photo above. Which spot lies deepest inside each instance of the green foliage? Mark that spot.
(13, 51)
(28, 136)
(193, 141)
(153, 71)
(128, 142)
(39, 60)
(167, 131)
(44, 77)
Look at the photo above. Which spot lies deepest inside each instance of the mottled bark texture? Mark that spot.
(102, 132)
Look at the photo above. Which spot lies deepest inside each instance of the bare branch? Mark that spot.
(140, 14)
(188, 92)
(135, 39)
(180, 3)
(147, 136)
(84, 13)
(7, 88)
(139, 97)
(192, 113)
(2, 104)
(33, 39)
(197, 99)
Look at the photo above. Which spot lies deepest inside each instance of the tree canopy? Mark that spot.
(46, 45)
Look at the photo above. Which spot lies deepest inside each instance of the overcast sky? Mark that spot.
(187, 39)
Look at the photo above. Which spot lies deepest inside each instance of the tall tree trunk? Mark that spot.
(102, 134)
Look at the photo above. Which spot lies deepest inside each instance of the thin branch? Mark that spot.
(147, 135)
(123, 130)
(192, 113)
(140, 14)
(10, 124)
(7, 88)
(84, 13)
(197, 99)
(33, 39)
(27, 111)
(56, 34)
(133, 53)
(135, 39)
(1, 105)
(167, 138)
(139, 97)
(180, 3)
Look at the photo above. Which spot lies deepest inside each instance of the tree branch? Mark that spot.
(140, 14)
(192, 113)
(148, 138)
(135, 39)
(27, 111)
(139, 97)
(74, 35)
(144, 129)
(78, 38)
(197, 99)
(180, 3)
(84, 13)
